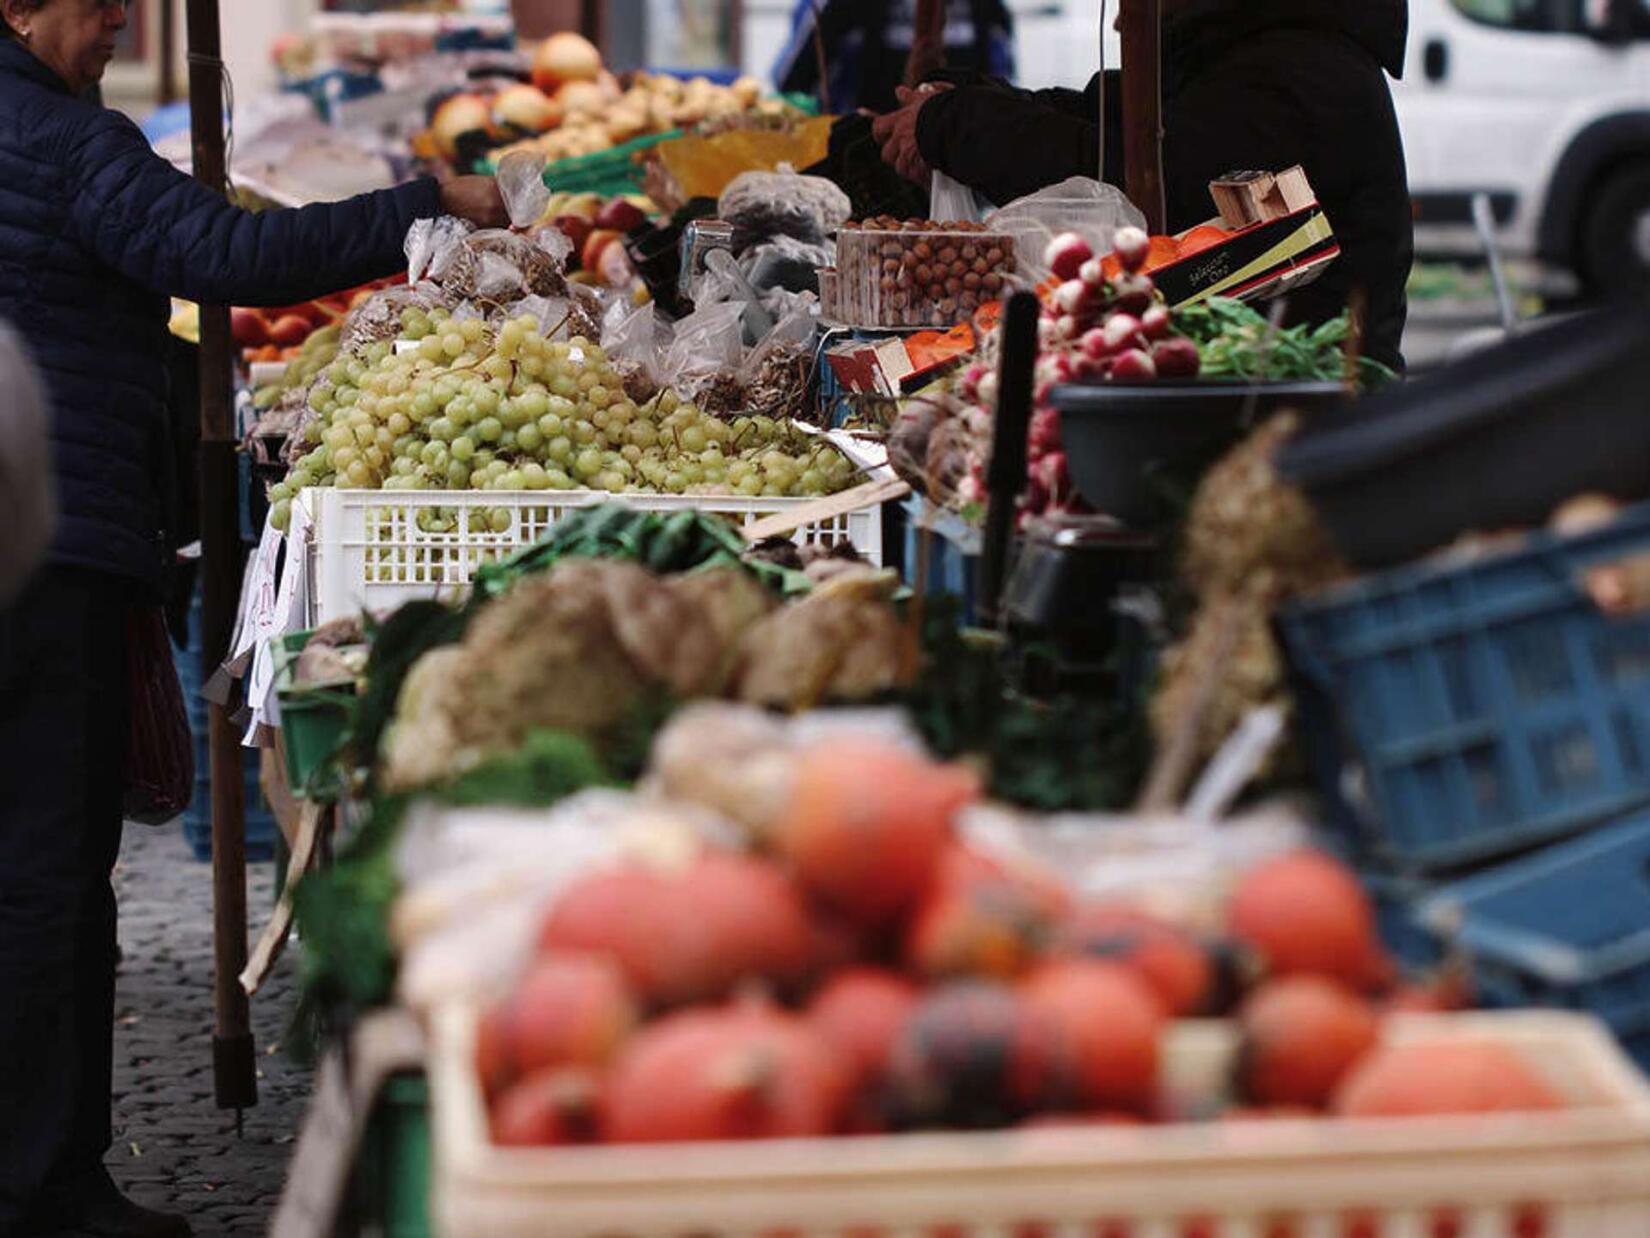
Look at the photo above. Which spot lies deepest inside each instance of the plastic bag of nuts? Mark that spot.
(918, 273)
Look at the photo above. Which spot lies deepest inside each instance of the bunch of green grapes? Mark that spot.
(455, 407)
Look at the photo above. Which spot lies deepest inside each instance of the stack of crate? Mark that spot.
(1480, 726)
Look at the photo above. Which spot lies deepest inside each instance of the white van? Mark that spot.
(1545, 106)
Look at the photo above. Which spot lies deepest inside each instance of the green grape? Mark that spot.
(452, 345)
(360, 476)
(528, 438)
(563, 385)
(430, 453)
(507, 442)
(443, 430)
(675, 482)
(458, 472)
(750, 484)
(588, 464)
(583, 432)
(510, 480)
(559, 480)
(631, 452)
(812, 481)
(489, 429)
(550, 425)
(423, 407)
(642, 434)
(692, 439)
(597, 395)
(559, 449)
(343, 457)
(533, 476)
(534, 405)
(463, 447)
(280, 515)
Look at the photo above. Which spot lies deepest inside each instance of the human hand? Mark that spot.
(896, 133)
(477, 199)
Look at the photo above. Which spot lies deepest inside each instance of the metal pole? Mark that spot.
(1141, 35)
(233, 1067)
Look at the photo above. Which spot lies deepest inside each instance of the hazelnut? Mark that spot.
(923, 250)
(994, 256)
(925, 274)
(948, 255)
(953, 286)
(992, 282)
(971, 281)
(969, 253)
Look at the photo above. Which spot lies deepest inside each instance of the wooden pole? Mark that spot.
(233, 1066)
(168, 51)
(1141, 31)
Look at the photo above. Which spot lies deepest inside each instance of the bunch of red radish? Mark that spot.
(1116, 329)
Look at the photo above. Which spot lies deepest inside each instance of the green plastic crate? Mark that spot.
(618, 171)
(392, 1173)
(313, 719)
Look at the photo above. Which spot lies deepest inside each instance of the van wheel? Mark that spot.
(1614, 256)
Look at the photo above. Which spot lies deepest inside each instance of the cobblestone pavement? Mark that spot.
(173, 1148)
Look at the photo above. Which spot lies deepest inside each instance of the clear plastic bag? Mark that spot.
(704, 357)
(1092, 209)
(379, 316)
(776, 372)
(520, 178)
(785, 262)
(431, 245)
(953, 201)
(636, 340)
(764, 205)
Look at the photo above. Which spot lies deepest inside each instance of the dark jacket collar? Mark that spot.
(1202, 30)
(19, 61)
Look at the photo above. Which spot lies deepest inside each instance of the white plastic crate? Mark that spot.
(376, 549)
(1583, 1172)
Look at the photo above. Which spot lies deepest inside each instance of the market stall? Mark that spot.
(759, 663)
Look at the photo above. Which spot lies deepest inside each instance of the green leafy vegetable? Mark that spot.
(1233, 341)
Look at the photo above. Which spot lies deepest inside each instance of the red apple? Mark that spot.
(290, 330)
(620, 215)
(248, 327)
(590, 253)
(575, 228)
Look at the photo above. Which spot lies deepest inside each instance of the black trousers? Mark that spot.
(63, 734)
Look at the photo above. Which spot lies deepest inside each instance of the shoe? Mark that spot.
(97, 1209)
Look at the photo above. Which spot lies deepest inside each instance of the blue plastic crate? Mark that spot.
(1568, 926)
(1398, 903)
(196, 822)
(1462, 710)
(953, 548)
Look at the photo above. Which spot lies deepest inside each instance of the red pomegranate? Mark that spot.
(555, 1106)
(1109, 1023)
(1300, 1037)
(742, 1071)
(1171, 962)
(1442, 1077)
(860, 1011)
(866, 824)
(1305, 913)
(972, 1055)
(984, 918)
(688, 934)
(568, 1010)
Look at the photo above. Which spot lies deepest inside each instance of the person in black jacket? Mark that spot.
(1246, 84)
(96, 231)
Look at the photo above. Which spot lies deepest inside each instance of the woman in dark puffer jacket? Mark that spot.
(96, 232)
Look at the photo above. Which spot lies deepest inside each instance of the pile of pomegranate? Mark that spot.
(862, 968)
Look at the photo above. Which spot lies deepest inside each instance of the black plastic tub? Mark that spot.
(1134, 450)
(1495, 441)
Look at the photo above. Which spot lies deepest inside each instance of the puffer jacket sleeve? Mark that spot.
(163, 229)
